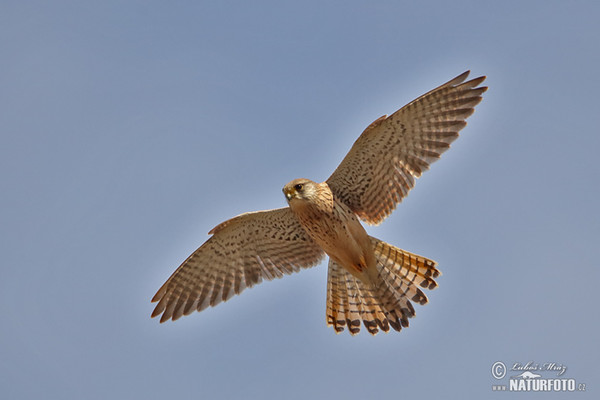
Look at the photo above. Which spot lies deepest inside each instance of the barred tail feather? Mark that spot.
(404, 273)
(350, 301)
(385, 301)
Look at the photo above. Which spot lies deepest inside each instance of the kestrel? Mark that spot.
(368, 280)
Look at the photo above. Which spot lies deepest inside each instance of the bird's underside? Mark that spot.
(368, 280)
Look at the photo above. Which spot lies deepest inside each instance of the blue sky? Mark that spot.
(130, 129)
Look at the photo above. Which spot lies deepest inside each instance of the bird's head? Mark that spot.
(300, 189)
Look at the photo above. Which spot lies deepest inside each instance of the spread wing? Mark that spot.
(382, 165)
(241, 253)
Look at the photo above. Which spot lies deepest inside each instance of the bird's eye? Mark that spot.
(298, 187)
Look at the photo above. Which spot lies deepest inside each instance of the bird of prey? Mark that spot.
(368, 279)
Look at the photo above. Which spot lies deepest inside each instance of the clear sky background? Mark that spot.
(130, 129)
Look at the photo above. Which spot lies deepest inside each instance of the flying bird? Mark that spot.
(368, 279)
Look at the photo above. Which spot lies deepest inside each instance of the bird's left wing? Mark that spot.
(241, 253)
(382, 165)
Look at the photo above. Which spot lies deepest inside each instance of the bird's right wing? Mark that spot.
(241, 253)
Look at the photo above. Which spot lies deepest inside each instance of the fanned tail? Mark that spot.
(350, 301)
(385, 301)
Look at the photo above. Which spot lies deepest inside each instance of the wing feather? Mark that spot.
(393, 151)
(241, 253)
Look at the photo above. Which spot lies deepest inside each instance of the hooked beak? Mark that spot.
(288, 193)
